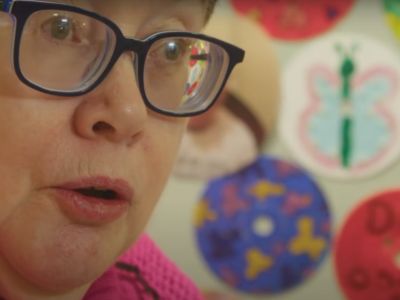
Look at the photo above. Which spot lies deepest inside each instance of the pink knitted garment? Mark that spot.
(155, 268)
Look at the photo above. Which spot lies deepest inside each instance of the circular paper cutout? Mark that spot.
(265, 229)
(340, 107)
(392, 12)
(295, 19)
(367, 256)
(222, 148)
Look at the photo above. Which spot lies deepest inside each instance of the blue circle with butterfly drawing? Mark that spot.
(264, 229)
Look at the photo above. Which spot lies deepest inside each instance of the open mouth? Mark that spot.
(104, 194)
(99, 188)
(94, 200)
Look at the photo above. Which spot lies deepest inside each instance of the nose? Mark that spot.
(114, 111)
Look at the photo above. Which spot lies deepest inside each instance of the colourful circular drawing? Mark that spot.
(392, 12)
(265, 229)
(367, 250)
(294, 19)
(339, 107)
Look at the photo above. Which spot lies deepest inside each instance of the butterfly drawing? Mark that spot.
(347, 124)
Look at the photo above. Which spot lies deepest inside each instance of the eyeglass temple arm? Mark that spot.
(5, 5)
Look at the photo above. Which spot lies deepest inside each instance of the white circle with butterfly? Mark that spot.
(340, 106)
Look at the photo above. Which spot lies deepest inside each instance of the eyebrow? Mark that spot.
(208, 6)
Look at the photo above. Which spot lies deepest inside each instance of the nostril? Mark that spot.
(103, 127)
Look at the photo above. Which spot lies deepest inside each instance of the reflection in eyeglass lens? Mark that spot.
(63, 51)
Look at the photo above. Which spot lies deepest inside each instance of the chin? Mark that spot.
(64, 261)
(58, 275)
(52, 254)
(58, 281)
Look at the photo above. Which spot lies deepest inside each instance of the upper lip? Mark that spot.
(120, 187)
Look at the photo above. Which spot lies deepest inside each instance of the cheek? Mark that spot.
(14, 170)
(160, 147)
(12, 188)
(26, 137)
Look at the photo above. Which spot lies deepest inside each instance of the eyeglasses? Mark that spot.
(64, 50)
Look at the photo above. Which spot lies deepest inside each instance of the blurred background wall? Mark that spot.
(172, 226)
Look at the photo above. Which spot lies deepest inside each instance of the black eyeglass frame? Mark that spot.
(22, 10)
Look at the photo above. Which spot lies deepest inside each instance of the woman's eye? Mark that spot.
(173, 50)
(58, 27)
(61, 28)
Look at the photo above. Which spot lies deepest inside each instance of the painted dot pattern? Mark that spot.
(296, 19)
(367, 250)
(265, 229)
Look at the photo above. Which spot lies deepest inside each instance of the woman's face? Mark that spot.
(56, 232)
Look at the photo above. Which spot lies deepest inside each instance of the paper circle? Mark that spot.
(367, 250)
(392, 14)
(296, 19)
(340, 107)
(265, 229)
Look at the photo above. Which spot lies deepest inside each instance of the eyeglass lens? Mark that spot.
(181, 72)
(65, 51)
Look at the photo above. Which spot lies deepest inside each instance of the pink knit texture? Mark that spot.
(158, 271)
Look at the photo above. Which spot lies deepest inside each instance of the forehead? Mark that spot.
(191, 13)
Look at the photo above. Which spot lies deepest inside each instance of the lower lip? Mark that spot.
(90, 210)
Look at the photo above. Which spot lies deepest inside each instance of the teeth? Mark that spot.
(98, 193)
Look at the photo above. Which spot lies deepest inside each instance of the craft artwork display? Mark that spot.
(392, 13)
(367, 250)
(340, 103)
(265, 229)
(294, 19)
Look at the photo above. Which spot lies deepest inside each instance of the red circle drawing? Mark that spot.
(367, 250)
(294, 19)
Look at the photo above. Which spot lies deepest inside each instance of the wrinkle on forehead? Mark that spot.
(152, 5)
(129, 14)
